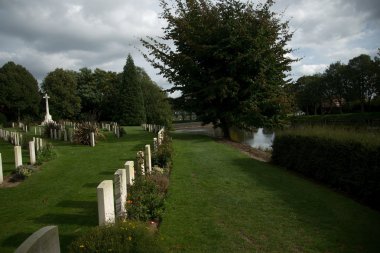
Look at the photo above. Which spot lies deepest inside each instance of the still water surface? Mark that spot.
(260, 138)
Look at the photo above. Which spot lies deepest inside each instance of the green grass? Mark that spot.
(222, 201)
(219, 201)
(64, 191)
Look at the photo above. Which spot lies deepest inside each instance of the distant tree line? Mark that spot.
(340, 88)
(130, 97)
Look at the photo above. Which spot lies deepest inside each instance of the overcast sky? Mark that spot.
(43, 35)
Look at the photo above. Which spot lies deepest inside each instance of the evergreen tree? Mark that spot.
(130, 100)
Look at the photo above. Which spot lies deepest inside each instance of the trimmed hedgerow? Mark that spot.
(347, 165)
(347, 119)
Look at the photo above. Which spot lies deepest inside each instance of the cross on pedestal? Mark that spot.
(48, 117)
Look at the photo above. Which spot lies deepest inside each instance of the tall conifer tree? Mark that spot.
(131, 102)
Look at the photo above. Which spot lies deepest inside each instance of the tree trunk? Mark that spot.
(225, 128)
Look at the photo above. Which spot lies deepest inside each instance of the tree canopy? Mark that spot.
(19, 95)
(228, 60)
(347, 87)
(61, 86)
(157, 107)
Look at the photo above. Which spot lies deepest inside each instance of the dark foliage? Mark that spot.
(228, 61)
(346, 165)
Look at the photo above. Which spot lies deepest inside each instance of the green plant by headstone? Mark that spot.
(129, 236)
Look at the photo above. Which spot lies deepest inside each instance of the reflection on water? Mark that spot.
(260, 139)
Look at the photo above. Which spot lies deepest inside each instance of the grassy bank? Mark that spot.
(222, 201)
(64, 191)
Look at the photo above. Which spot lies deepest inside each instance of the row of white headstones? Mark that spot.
(15, 138)
(112, 195)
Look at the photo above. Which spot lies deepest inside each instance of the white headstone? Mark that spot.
(120, 181)
(1, 170)
(155, 144)
(130, 167)
(106, 209)
(148, 159)
(92, 139)
(32, 153)
(18, 156)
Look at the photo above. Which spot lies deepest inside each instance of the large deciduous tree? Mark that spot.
(19, 95)
(61, 86)
(362, 76)
(130, 100)
(228, 59)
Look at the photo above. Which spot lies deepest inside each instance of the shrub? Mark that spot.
(163, 156)
(21, 173)
(82, 133)
(161, 180)
(123, 237)
(45, 154)
(122, 132)
(145, 201)
(346, 164)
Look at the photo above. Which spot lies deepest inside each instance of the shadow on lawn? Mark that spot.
(92, 185)
(313, 205)
(86, 215)
(15, 240)
(197, 138)
(88, 219)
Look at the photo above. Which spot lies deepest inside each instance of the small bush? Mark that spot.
(145, 201)
(45, 154)
(21, 173)
(161, 180)
(83, 131)
(163, 156)
(123, 237)
(122, 132)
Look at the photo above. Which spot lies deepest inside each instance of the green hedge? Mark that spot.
(349, 119)
(347, 165)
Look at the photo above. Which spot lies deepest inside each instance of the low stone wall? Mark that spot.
(45, 240)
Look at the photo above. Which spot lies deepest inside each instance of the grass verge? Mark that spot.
(220, 200)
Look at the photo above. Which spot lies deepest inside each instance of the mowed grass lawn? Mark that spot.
(220, 200)
(63, 193)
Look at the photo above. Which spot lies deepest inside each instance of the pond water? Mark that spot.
(260, 139)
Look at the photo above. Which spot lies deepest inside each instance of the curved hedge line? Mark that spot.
(346, 165)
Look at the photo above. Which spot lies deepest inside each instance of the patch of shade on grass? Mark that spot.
(220, 200)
